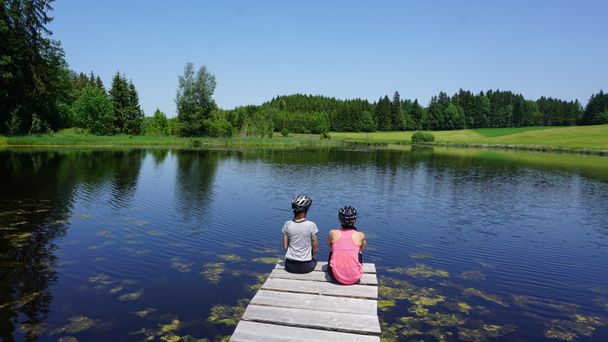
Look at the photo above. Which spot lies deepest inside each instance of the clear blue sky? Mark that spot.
(345, 49)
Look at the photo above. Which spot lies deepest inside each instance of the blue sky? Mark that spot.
(344, 49)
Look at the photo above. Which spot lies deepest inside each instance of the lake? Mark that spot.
(472, 245)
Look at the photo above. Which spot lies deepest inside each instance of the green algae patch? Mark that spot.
(485, 332)
(181, 265)
(116, 289)
(528, 302)
(570, 330)
(472, 275)
(144, 313)
(267, 260)
(260, 279)
(464, 307)
(421, 271)
(164, 332)
(33, 330)
(231, 258)
(212, 272)
(485, 296)
(419, 256)
(228, 315)
(23, 300)
(131, 296)
(386, 304)
(77, 324)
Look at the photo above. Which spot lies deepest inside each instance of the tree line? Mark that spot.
(38, 93)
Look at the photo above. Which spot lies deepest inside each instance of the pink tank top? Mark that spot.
(345, 258)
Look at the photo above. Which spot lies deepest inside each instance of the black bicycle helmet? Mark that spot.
(347, 216)
(301, 203)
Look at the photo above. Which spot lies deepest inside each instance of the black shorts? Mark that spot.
(294, 266)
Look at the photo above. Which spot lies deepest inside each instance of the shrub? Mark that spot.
(284, 132)
(422, 137)
(325, 135)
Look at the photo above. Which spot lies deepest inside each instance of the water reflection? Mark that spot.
(472, 245)
(193, 191)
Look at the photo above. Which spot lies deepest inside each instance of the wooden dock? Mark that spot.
(310, 307)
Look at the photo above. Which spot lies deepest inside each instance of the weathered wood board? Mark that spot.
(310, 307)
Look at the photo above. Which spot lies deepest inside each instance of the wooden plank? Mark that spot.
(322, 266)
(315, 302)
(366, 278)
(251, 331)
(321, 288)
(344, 322)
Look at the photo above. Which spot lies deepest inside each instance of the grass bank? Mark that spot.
(592, 139)
(70, 137)
(585, 139)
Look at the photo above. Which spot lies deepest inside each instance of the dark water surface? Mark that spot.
(154, 244)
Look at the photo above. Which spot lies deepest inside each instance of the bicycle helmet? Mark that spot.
(347, 216)
(301, 203)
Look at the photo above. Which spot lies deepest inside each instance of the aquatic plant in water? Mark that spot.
(131, 296)
(212, 271)
(485, 332)
(268, 260)
(485, 296)
(231, 258)
(570, 330)
(420, 271)
(165, 331)
(77, 324)
(418, 256)
(472, 275)
(144, 313)
(181, 265)
(23, 300)
(228, 315)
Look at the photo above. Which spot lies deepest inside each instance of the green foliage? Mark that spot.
(596, 111)
(157, 124)
(419, 137)
(33, 73)
(128, 116)
(37, 125)
(259, 124)
(93, 110)
(14, 122)
(325, 135)
(194, 100)
(217, 127)
(284, 132)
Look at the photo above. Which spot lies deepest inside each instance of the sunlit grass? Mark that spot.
(576, 137)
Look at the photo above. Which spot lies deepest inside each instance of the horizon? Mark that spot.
(343, 50)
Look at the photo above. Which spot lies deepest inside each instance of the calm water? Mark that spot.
(470, 245)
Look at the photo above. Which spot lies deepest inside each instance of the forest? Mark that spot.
(40, 94)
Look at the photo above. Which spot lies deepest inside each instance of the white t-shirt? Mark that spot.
(300, 234)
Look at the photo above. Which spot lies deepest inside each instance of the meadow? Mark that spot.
(573, 138)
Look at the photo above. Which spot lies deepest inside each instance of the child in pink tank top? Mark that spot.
(345, 260)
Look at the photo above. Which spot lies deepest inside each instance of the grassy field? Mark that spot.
(575, 137)
(558, 138)
(71, 137)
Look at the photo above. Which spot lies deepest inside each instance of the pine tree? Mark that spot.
(396, 122)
